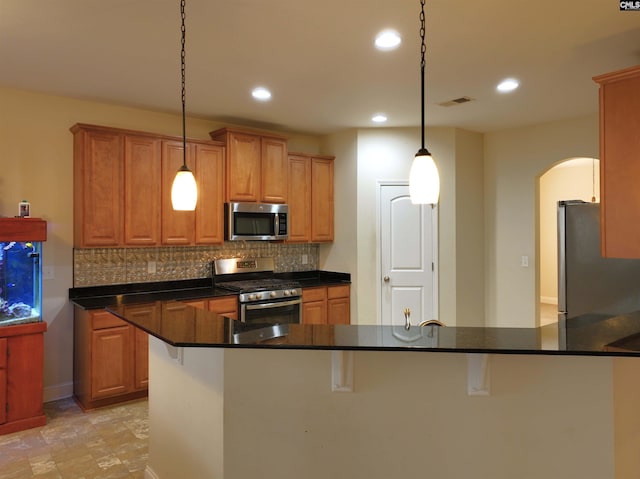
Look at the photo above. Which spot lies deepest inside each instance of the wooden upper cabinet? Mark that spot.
(321, 199)
(299, 199)
(97, 187)
(177, 226)
(256, 165)
(274, 170)
(142, 191)
(209, 171)
(311, 213)
(619, 98)
(122, 189)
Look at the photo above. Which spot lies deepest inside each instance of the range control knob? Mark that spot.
(252, 297)
(273, 294)
(259, 296)
(287, 292)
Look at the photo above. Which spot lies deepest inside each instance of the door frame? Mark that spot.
(434, 244)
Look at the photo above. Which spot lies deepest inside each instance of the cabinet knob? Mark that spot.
(386, 279)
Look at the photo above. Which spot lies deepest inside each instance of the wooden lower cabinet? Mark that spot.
(339, 304)
(21, 377)
(326, 305)
(110, 358)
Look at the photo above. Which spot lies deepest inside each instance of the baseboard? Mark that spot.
(58, 391)
(149, 474)
(548, 300)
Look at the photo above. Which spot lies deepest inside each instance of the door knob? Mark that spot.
(386, 279)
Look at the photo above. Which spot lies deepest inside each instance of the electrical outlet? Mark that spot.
(151, 267)
(305, 259)
(524, 261)
(48, 272)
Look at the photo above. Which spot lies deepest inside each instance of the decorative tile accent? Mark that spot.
(103, 266)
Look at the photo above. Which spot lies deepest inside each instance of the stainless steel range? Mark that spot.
(263, 298)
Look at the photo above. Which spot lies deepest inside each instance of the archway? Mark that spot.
(569, 179)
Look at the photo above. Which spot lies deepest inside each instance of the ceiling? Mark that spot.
(318, 58)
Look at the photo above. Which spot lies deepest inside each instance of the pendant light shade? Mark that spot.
(184, 190)
(424, 180)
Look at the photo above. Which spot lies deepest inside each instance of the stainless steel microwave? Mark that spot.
(256, 221)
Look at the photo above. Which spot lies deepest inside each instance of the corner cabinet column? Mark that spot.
(619, 163)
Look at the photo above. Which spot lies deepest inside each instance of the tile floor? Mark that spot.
(107, 443)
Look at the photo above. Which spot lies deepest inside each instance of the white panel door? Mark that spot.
(408, 266)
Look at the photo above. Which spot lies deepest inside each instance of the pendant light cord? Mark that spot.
(423, 49)
(182, 69)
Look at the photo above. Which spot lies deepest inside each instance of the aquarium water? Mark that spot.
(20, 281)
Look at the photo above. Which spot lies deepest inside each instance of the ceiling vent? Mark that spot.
(456, 101)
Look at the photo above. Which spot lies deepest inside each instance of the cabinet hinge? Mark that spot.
(433, 267)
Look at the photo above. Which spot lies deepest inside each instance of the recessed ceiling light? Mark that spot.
(388, 40)
(261, 93)
(379, 118)
(507, 85)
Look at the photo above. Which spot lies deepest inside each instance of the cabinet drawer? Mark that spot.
(338, 291)
(103, 319)
(314, 294)
(227, 304)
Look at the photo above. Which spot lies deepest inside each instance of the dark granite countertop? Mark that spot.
(98, 297)
(584, 335)
(206, 329)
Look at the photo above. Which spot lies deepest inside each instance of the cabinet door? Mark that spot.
(299, 199)
(140, 359)
(111, 372)
(314, 305)
(243, 167)
(25, 365)
(619, 165)
(142, 191)
(338, 311)
(321, 200)
(338, 304)
(177, 226)
(209, 165)
(314, 312)
(178, 321)
(3, 380)
(98, 194)
(146, 314)
(274, 171)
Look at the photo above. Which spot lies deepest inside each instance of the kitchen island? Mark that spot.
(224, 404)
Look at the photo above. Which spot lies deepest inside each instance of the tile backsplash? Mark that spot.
(102, 266)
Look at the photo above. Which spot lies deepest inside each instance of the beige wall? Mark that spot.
(418, 423)
(513, 161)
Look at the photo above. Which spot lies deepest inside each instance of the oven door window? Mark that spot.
(276, 312)
(254, 224)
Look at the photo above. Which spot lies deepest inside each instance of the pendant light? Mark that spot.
(424, 181)
(184, 191)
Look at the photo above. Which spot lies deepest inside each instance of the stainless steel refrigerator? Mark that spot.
(590, 288)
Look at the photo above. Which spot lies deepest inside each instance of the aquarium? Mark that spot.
(21, 270)
(20, 281)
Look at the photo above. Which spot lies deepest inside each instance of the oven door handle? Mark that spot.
(273, 305)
